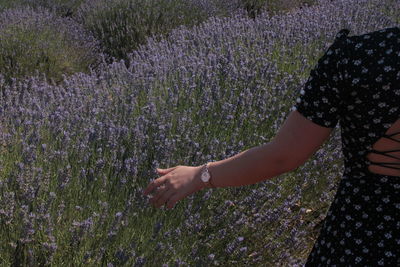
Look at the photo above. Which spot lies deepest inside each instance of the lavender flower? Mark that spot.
(75, 156)
(36, 40)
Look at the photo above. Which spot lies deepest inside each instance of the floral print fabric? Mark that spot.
(356, 83)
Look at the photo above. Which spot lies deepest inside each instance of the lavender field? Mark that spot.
(77, 151)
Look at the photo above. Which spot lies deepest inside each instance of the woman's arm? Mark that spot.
(248, 167)
(297, 140)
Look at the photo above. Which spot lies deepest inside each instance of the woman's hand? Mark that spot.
(175, 184)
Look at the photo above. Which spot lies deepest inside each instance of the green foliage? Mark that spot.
(5, 4)
(22, 51)
(48, 49)
(123, 25)
(256, 7)
(64, 8)
(392, 9)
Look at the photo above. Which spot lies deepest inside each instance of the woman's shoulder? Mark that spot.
(391, 33)
(368, 45)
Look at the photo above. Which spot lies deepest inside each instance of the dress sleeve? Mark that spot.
(319, 99)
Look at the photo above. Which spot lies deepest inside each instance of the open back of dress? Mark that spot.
(357, 84)
(385, 154)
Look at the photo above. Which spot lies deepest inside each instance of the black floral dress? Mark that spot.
(357, 83)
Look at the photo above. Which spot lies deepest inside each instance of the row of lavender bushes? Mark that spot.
(38, 40)
(74, 157)
(70, 36)
(66, 37)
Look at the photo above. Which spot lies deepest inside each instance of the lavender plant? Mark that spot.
(254, 8)
(392, 9)
(63, 8)
(74, 157)
(37, 40)
(123, 25)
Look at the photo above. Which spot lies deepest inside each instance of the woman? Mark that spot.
(356, 82)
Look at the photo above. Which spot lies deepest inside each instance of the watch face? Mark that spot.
(205, 176)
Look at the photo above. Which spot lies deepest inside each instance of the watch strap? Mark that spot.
(208, 183)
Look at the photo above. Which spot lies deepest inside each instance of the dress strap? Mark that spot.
(390, 135)
(387, 155)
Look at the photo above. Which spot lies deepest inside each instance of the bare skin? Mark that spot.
(384, 144)
(296, 141)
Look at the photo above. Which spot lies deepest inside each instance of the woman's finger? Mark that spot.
(154, 184)
(172, 201)
(159, 192)
(164, 198)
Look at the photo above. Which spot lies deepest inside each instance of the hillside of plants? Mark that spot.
(97, 94)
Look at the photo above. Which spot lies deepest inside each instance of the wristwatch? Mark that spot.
(206, 176)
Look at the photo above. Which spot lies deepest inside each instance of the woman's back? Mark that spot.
(357, 84)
